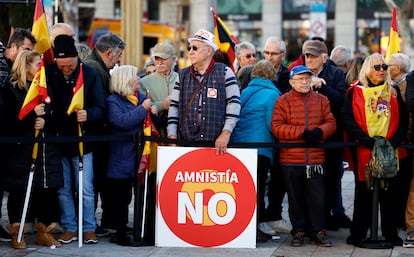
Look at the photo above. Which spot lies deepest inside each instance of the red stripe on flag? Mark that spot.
(40, 31)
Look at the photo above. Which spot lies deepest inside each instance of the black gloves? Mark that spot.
(312, 136)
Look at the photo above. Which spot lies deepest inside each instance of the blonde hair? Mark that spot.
(367, 66)
(20, 67)
(264, 69)
(121, 79)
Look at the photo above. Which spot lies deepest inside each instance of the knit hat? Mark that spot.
(315, 47)
(64, 47)
(205, 36)
(300, 69)
(163, 50)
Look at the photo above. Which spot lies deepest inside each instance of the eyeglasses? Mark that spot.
(195, 48)
(248, 56)
(304, 79)
(378, 67)
(272, 53)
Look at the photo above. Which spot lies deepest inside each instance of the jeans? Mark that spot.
(71, 172)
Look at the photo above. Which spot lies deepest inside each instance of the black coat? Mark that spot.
(61, 90)
(18, 156)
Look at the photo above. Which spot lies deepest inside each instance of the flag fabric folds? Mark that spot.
(225, 40)
(78, 93)
(393, 39)
(37, 92)
(148, 161)
(41, 33)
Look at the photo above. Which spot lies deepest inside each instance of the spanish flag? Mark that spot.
(393, 39)
(41, 32)
(225, 40)
(78, 93)
(37, 92)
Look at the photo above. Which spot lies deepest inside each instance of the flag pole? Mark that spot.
(80, 187)
(29, 187)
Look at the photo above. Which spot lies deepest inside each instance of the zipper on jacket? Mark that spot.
(44, 162)
(306, 126)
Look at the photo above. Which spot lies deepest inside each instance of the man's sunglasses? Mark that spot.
(248, 56)
(378, 67)
(195, 48)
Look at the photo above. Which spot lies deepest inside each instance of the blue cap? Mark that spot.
(299, 70)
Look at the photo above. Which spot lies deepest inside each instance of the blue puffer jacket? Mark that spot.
(257, 103)
(124, 118)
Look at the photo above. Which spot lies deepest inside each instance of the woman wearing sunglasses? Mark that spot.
(373, 108)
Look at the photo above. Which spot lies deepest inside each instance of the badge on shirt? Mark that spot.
(212, 92)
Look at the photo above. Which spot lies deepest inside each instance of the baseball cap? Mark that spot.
(205, 36)
(315, 47)
(163, 50)
(300, 69)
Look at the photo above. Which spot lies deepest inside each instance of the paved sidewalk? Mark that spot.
(277, 248)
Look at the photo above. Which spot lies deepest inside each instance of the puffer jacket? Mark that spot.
(293, 113)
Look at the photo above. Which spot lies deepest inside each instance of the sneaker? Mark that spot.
(101, 232)
(4, 235)
(281, 226)
(298, 239)
(68, 237)
(321, 239)
(265, 228)
(409, 240)
(89, 238)
(262, 237)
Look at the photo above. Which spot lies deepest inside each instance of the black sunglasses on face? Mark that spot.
(195, 48)
(248, 56)
(378, 67)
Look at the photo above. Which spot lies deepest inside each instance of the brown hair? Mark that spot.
(264, 69)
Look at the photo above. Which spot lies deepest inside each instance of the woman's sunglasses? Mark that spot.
(378, 67)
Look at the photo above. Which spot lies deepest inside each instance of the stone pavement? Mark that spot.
(278, 248)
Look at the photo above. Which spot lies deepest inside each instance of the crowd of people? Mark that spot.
(319, 98)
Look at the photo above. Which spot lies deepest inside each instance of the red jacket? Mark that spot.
(293, 113)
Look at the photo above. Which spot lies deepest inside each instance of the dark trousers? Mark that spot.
(43, 205)
(333, 174)
(263, 165)
(306, 199)
(118, 201)
(362, 217)
(276, 192)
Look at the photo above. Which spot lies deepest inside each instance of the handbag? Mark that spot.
(383, 163)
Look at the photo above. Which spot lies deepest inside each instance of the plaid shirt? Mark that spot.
(215, 107)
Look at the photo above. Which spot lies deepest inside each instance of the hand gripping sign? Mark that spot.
(205, 199)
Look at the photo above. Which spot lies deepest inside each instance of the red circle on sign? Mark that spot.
(207, 233)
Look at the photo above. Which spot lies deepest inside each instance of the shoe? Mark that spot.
(353, 240)
(298, 239)
(14, 229)
(321, 239)
(262, 237)
(44, 235)
(101, 232)
(89, 237)
(68, 237)
(395, 240)
(409, 240)
(4, 235)
(280, 226)
(265, 228)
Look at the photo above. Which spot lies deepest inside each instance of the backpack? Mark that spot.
(384, 162)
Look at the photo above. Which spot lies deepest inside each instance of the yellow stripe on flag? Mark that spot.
(78, 94)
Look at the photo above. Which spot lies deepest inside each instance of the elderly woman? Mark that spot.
(126, 114)
(373, 108)
(257, 102)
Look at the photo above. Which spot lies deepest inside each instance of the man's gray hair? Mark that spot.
(403, 61)
(109, 41)
(243, 46)
(274, 39)
(340, 55)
